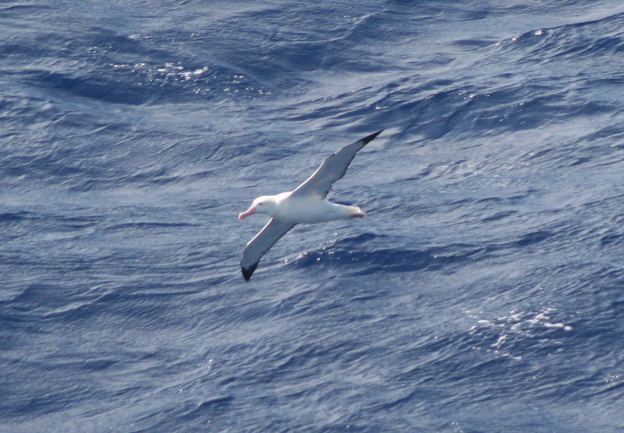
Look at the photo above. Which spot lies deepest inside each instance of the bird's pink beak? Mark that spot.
(248, 212)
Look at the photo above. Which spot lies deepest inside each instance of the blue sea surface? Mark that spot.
(483, 292)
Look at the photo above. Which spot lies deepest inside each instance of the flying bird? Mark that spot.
(306, 204)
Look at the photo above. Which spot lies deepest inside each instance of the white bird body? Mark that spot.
(313, 210)
(304, 205)
(301, 210)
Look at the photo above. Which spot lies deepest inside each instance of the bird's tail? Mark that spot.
(356, 212)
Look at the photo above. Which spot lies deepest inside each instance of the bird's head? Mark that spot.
(264, 204)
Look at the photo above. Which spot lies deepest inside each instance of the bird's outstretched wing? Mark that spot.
(261, 243)
(332, 169)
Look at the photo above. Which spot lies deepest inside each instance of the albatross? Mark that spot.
(306, 204)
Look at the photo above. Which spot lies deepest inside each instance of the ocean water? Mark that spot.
(483, 292)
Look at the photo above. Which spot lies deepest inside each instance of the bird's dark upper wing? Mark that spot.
(261, 243)
(332, 169)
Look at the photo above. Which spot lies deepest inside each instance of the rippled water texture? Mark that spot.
(483, 292)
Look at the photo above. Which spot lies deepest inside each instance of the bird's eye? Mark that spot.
(260, 204)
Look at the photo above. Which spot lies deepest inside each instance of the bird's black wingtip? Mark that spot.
(371, 137)
(247, 272)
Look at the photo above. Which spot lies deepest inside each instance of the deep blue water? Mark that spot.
(484, 291)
